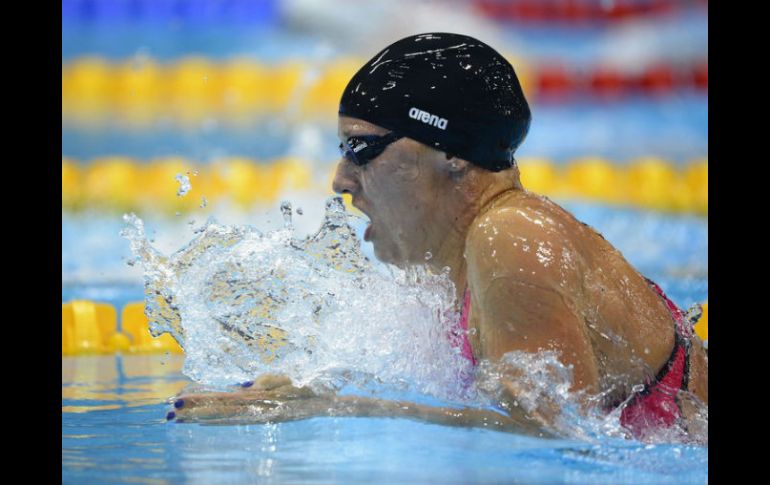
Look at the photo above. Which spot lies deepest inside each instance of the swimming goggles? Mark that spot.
(362, 149)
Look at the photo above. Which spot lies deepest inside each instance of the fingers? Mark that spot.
(276, 386)
(211, 399)
(221, 406)
(544, 412)
(267, 382)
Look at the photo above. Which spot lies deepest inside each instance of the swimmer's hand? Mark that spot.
(543, 414)
(269, 398)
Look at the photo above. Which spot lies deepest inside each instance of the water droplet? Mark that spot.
(184, 184)
(646, 351)
(428, 255)
(299, 211)
(204, 202)
(286, 211)
(178, 213)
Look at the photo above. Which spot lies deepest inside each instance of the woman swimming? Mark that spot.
(428, 131)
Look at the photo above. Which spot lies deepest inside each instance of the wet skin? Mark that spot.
(539, 280)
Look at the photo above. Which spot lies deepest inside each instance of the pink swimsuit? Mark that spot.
(656, 405)
(653, 407)
(467, 351)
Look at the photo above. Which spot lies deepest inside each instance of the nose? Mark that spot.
(345, 181)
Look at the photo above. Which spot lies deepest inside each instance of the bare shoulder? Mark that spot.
(525, 276)
(528, 238)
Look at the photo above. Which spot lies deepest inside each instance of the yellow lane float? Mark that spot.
(135, 324)
(696, 177)
(71, 184)
(593, 178)
(702, 327)
(91, 328)
(651, 182)
(112, 182)
(539, 175)
(120, 183)
(87, 327)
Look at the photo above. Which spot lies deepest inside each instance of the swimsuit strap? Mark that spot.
(680, 319)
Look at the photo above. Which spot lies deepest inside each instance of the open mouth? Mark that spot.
(368, 230)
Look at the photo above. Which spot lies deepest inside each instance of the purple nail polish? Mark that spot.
(171, 415)
(247, 384)
(179, 404)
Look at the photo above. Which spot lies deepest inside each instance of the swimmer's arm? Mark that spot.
(519, 289)
(518, 315)
(289, 403)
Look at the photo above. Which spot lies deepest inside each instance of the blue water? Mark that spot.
(114, 431)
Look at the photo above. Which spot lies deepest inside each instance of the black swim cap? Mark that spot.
(449, 91)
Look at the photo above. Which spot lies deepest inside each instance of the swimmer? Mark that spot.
(428, 131)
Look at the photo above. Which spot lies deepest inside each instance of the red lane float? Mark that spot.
(559, 82)
(579, 11)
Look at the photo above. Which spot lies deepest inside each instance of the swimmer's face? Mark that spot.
(397, 190)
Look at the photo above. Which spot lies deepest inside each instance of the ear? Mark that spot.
(455, 166)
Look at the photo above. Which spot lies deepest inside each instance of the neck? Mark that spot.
(479, 192)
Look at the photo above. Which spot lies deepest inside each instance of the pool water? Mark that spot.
(114, 431)
(113, 407)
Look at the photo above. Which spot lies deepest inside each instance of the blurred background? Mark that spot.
(180, 110)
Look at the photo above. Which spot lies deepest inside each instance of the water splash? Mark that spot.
(243, 303)
(543, 387)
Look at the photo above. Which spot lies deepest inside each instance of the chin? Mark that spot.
(386, 254)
